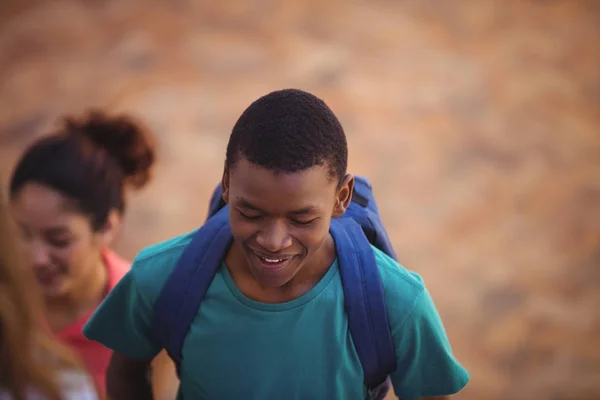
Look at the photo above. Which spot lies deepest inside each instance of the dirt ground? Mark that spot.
(478, 122)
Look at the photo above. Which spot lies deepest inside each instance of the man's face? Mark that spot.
(281, 220)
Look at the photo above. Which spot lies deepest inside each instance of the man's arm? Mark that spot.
(165, 383)
(427, 369)
(128, 378)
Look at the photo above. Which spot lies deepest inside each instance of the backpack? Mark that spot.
(354, 232)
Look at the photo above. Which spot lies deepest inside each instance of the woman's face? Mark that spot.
(59, 242)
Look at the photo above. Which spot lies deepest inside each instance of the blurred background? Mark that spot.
(478, 122)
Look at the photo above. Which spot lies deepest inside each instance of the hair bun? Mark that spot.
(123, 138)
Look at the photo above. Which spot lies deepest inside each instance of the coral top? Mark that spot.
(95, 356)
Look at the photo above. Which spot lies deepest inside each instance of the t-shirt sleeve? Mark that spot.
(123, 320)
(426, 366)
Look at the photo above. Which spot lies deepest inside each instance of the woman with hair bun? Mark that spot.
(68, 195)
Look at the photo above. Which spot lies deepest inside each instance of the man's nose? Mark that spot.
(274, 237)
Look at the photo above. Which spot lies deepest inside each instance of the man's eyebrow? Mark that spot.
(305, 210)
(241, 202)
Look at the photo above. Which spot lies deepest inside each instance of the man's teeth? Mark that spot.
(275, 260)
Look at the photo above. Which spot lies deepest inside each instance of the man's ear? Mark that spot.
(225, 185)
(343, 196)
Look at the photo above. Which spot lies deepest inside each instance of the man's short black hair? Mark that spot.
(289, 131)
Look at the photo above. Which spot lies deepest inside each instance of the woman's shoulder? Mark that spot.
(117, 267)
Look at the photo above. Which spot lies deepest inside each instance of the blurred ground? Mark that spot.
(478, 122)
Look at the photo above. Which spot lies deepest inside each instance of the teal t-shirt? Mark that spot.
(238, 348)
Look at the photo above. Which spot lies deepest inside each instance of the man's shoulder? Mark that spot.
(165, 252)
(401, 287)
(153, 264)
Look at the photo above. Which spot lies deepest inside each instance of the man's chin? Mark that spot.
(274, 276)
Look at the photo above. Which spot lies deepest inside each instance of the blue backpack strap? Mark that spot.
(364, 301)
(216, 201)
(364, 210)
(187, 285)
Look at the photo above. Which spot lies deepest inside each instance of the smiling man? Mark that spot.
(273, 323)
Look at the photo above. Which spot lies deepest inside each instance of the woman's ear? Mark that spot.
(111, 228)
